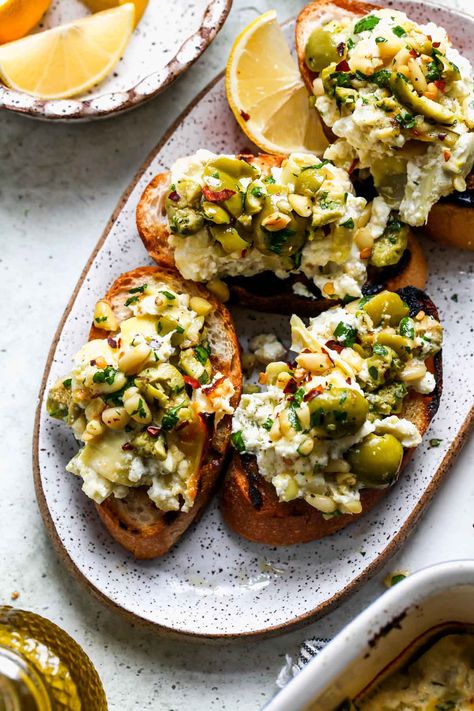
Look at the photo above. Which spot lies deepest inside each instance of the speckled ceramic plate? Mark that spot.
(213, 583)
(168, 39)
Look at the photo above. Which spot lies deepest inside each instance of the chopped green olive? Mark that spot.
(146, 445)
(399, 344)
(388, 249)
(321, 49)
(164, 374)
(376, 460)
(309, 181)
(215, 213)
(255, 197)
(285, 241)
(233, 167)
(386, 306)
(229, 239)
(185, 221)
(406, 93)
(338, 412)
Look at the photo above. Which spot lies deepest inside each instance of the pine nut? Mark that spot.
(115, 418)
(201, 306)
(94, 408)
(301, 204)
(131, 360)
(276, 221)
(138, 409)
(364, 238)
(322, 503)
(219, 289)
(352, 507)
(413, 371)
(314, 362)
(104, 317)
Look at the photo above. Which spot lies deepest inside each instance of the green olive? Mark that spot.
(284, 242)
(184, 220)
(407, 94)
(215, 213)
(338, 412)
(222, 180)
(376, 460)
(399, 344)
(234, 167)
(229, 238)
(309, 181)
(390, 178)
(164, 374)
(387, 307)
(255, 197)
(449, 70)
(321, 49)
(388, 249)
(189, 192)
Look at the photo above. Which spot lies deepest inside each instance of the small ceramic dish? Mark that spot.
(435, 600)
(168, 39)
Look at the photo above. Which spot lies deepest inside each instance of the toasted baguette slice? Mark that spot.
(451, 221)
(265, 292)
(135, 522)
(250, 506)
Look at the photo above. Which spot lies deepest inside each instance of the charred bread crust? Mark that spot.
(250, 506)
(265, 292)
(135, 522)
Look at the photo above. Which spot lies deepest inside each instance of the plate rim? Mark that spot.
(301, 620)
(34, 107)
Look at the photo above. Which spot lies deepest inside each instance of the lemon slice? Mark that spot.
(17, 17)
(67, 60)
(99, 5)
(266, 93)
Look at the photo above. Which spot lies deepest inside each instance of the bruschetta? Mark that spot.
(398, 100)
(335, 428)
(287, 234)
(150, 397)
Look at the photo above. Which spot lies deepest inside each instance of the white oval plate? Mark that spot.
(168, 39)
(214, 583)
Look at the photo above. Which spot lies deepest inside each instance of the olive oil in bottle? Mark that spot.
(43, 669)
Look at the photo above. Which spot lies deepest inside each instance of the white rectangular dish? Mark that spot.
(435, 597)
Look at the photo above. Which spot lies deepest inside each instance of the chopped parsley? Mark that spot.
(268, 424)
(101, 319)
(170, 418)
(179, 329)
(168, 294)
(67, 383)
(406, 120)
(350, 43)
(269, 179)
(298, 397)
(138, 289)
(348, 224)
(340, 79)
(397, 578)
(238, 441)
(106, 375)
(373, 372)
(202, 353)
(407, 327)
(433, 71)
(380, 40)
(446, 705)
(399, 31)
(366, 24)
(379, 349)
(345, 334)
(381, 78)
(140, 411)
(131, 300)
(278, 239)
(294, 419)
(435, 442)
(257, 192)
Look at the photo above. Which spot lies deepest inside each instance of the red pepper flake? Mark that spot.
(214, 385)
(244, 115)
(442, 136)
(92, 362)
(354, 165)
(153, 431)
(440, 84)
(414, 132)
(112, 343)
(217, 195)
(290, 387)
(127, 446)
(195, 384)
(174, 196)
(348, 381)
(181, 425)
(340, 49)
(343, 66)
(435, 44)
(447, 155)
(413, 53)
(334, 346)
(313, 393)
(326, 230)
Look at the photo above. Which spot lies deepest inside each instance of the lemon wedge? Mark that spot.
(69, 59)
(99, 5)
(266, 93)
(18, 17)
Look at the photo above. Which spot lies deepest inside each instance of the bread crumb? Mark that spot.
(15, 595)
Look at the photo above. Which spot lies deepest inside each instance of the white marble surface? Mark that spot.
(58, 187)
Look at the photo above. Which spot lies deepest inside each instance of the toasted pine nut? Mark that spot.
(285, 424)
(275, 432)
(104, 317)
(365, 253)
(94, 408)
(352, 507)
(201, 306)
(365, 215)
(291, 491)
(318, 87)
(364, 238)
(417, 77)
(115, 418)
(459, 183)
(276, 221)
(420, 316)
(282, 380)
(413, 370)
(101, 362)
(301, 204)
(314, 362)
(95, 428)
(306, 447)
(337, 465)
(131, 360)
(138, 409)
(345, 479)
(329, 289)
(322, 503)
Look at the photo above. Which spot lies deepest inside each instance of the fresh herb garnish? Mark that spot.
(381, 78)
(168, 294)
(202, 353)
(67, 383)
(407, 327)
(269, 179)
(373, 372)
(435, 442)
(433, 71)
(131, 300)
(278, 239)
(366, 24)
(350, 43)
(268, 424)
(399, 31)
(170, 418)
(138, 289)
(345, 334)
(294, 419)
(238, 441)
(406, 120)
(101, 319)
(257, 192)
(106, 375)
(397, 578)
(380, 40)
(341, 79)
(140, 411)
(179, 329)
(348, 224)
(298, 397)
(379, 349)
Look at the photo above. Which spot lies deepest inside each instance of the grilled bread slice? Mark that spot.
(451, 221)
(265, 291)
(250, 505)
(135, 522)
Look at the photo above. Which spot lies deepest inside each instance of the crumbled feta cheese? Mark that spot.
(267, 348)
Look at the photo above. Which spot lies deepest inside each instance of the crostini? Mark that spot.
(150, 396)
(287, 234)
(399, 100)
(335, 428)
